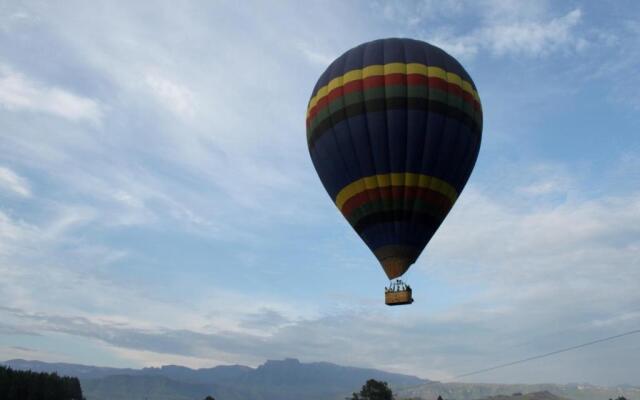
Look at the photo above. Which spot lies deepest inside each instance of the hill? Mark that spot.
(287, 379)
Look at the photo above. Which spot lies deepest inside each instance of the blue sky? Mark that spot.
(158, 204)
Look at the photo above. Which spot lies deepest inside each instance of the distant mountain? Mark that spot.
(77, 370)
(474, 391)
(288, 371)
(290, 379)
(286, 379)
(219, 374)
(203, 375)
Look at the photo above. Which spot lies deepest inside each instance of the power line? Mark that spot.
(548, 354)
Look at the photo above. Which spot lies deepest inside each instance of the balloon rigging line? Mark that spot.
(524, 360)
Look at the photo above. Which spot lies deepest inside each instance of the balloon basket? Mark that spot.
(397, 294)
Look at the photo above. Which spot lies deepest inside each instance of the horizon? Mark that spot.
(321, 362)
(158, 204)
(293, 359)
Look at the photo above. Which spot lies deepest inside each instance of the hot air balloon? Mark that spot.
(394, 129)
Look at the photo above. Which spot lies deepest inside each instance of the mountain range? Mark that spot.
(290, 379)
(286, 379)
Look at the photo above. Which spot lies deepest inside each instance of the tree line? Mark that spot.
(28, 385)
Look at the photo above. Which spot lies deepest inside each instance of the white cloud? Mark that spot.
(13, 234)
(503, 27)
(241, 168)
(619, 42)
(153, 359)
(174, 96)
(27, 353)
(424, 11)
(19, 93)
(49, 240)
(541, 187)
(221, 160)
(534, 39)
(10, 19)
(567, 238)
(503, 34)
(316, 57)
(546, 179)
(14, 183)
(546, 260)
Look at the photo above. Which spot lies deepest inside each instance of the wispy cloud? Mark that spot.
(194, 199)
(19, 93)
(570, 239)
(315, 56)
(14, 234)
(545, 259)
(502, 37)
(14, 183)
(500, 28)
(174, 96)
(546, 179)
(415, 13)
(27, 353)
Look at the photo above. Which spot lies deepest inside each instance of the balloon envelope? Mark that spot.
(394, 129)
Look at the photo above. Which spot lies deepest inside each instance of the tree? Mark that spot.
(373, 390)
(27, 385)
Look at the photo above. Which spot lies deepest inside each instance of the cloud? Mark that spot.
(27, 353)
(34, 256)
(14, 183)
(19, 93)
(504, 37)
(174, 96)
(200, 176)
(152, 359)
(415, 13)
(9, 19)
(14, 234)
(501, 28)
(619, 56)
(265, 320)
(430, 346)
(314, 56)
(544, 180)
(13, 330)
(590, 235)
(552, 259)
(535, 39)
(160, 160)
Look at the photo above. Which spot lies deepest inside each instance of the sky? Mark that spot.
(158, 204)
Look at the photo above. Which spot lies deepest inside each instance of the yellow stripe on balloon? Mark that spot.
(396, 179)
(388, 69)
